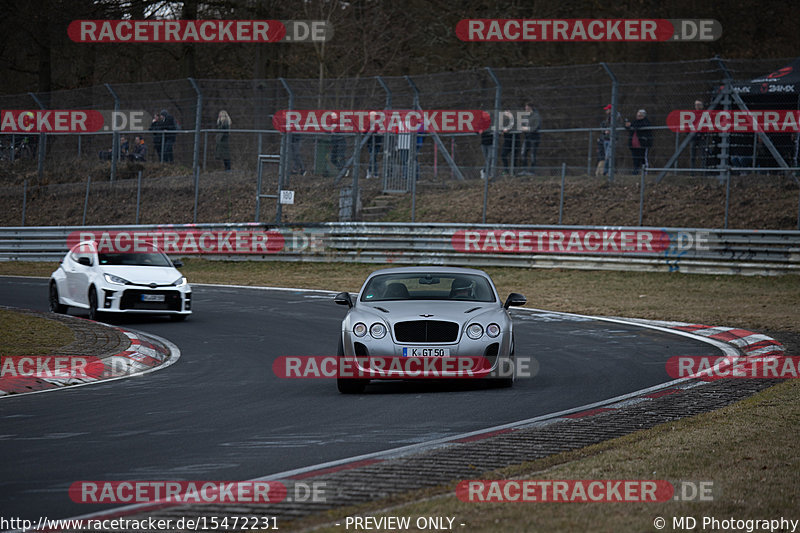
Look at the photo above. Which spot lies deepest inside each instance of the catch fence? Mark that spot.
(568, 102)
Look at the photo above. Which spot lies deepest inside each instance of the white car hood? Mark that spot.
(144, 275)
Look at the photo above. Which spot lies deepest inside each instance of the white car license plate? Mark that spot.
(153, 298)
(416, 351)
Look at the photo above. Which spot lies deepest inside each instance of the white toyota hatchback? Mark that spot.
(137, 282)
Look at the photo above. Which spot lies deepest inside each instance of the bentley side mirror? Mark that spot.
(343, 298)
(515, 299)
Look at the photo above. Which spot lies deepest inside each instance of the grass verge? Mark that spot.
(23, 334)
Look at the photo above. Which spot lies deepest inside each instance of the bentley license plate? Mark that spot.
(409, 351)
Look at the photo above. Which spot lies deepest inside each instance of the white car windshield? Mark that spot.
(433, 286)
(135, 259)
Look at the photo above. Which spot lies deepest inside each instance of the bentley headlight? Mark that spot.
(493, 330)
(377, 330)
(475, 331)
(360, 329)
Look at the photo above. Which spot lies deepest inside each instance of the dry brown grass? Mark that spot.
(23, 334)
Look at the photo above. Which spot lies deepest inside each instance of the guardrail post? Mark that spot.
(114, 134)
(40, 151)
(614, 89)
(561, 200)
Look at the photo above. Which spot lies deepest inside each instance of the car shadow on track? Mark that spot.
(427, 386)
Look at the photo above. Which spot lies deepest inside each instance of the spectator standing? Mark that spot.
(604, 142)
(487, 147)
(374, 146)
(338, 145)
(164, 125)
(640, 140)
(170, 125)
(403, 150)
(157, 127)
(698, 145)
(223, 148)
(297, 159)
(530, 122)
(510, 140)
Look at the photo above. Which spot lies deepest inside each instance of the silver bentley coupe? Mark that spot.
(429, 322)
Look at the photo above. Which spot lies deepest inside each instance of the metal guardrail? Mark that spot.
(653, 249)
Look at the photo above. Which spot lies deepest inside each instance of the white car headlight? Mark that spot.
(493, 330)
(475, 331)
(180, 282)
(377, 330)
(116, 280)
(360, 329)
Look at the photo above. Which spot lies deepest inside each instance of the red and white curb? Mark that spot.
(145, 354)
(733, 342)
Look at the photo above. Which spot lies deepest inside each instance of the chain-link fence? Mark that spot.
(568, 102)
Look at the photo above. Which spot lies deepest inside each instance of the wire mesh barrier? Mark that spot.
(566, 123)
(685, 250)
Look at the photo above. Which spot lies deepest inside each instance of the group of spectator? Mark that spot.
(640, 140)
(137, 152)
(518, 133)
(520, 141)
(164, 127)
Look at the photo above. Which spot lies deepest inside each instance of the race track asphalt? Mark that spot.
(220, 413)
